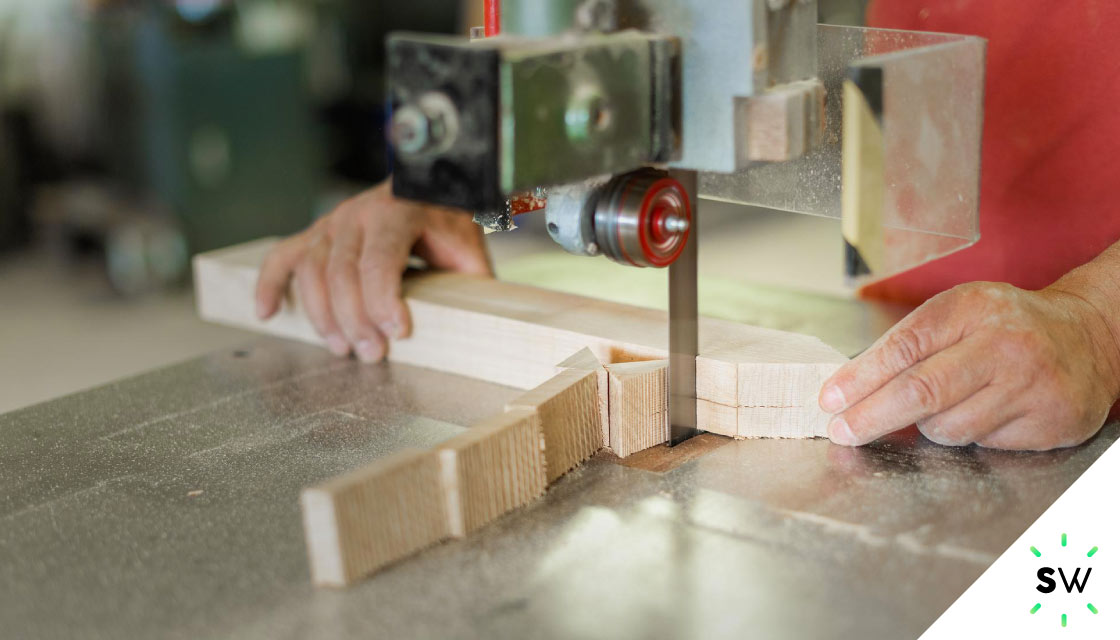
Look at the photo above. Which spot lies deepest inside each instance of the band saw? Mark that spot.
(613, 117)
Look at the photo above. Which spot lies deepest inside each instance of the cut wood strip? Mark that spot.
(492, 468)
(361, 521)
(514, 334)
(639, 401)
(568, 406)
(584, 360)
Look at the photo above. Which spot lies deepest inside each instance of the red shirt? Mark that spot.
(1050, 184)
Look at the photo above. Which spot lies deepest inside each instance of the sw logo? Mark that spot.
(1071, 580)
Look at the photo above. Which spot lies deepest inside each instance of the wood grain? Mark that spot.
(359, 522)
(639, 404)
(492, 468)
(586, 361)
(568, 407)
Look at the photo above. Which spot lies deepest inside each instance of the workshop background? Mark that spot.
(134, 134)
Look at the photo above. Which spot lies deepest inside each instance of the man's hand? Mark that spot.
(348, 267)
(984, 363)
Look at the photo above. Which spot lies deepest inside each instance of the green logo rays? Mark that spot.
(1089, 605)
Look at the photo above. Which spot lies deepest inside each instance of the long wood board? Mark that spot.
(751, 382)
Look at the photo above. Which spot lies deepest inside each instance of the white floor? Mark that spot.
(61, 331)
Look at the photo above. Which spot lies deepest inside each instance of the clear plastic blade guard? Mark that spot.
(914, 110)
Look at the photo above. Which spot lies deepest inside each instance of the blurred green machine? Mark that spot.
(231, 139)
(223, 137)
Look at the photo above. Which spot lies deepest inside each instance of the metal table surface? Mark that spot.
(165, 506)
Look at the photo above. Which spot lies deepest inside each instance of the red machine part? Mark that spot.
(493, 16)
(525, 202)
(643, 219)
(662, 242)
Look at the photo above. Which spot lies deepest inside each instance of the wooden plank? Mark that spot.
(359, 522)
(492, 468)
(568, 406)
(513, 335)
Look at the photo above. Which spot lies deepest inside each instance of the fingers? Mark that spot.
(384, 257)
(926, 331)
(272, 283)
(311, 282)
(925, 389)
(346, 298)
(1035, 431)
(972, 420)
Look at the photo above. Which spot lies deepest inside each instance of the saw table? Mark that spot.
(165, 506)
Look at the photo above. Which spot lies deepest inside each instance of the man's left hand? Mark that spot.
(985, 363)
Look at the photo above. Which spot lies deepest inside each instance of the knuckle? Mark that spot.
(970, 290)
(991, 296)
(905, 347)
(925, 390)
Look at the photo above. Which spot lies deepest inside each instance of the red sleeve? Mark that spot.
(1050, 184)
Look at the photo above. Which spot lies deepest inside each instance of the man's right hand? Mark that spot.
(348, 267)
